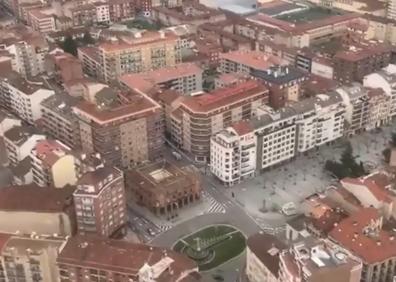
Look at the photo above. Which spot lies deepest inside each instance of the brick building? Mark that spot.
(100, 202)
(164, 188)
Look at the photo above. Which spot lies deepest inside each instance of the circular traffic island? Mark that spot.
(212, 246)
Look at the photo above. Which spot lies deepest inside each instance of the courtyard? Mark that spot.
(212, 246)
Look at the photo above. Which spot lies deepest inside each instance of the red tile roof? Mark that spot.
(120, 256)
(376, 189)
(225, 96)
(35, 199)
(352, 233)
(50, 151)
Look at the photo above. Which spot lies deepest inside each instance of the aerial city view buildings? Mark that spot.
(197, 140)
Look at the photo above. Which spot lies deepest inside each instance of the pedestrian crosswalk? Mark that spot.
(164, 228)
(215, 206)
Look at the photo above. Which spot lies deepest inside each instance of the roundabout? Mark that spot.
(212, 246)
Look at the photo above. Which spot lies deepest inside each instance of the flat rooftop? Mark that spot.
(309, 15)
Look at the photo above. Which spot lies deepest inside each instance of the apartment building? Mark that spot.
(246, 62)
(29, 258)
(24, 96)
(391, 10)
(284, 84)
(185, 78)
(233, 153)
(89, 58)
(356, 100)
(276, 133)
(59, 121)
(81, 257)
(148, 50)
(321, 120)
(100, 202)
(164, 188)
(53, 164)
(277, 136)
(40, 21)
(83, 15)
(386, 80)
(64, 67)
(19, 142)
(316, 260)
(357, 62)
(28, 50)
(262, 257)
(33, 209)
(102, 10)
(126, 129)
(380, 109)
(361, 234)
(196, 118)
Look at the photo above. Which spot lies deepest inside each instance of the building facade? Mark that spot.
(24, 96)
(53, 164)
(125, 133)
(29, 258)
(100, 202)
(233, 153)
(147, 51)
(197, 118)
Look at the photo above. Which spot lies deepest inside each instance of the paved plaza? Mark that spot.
(304, 175)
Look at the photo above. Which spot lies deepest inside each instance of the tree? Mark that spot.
(87, 39)
(347, 167)
(69, 45)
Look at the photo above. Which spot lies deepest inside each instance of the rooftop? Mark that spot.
(136, 106)
(28, 87)
(123, 257)
(267, 249)
(61, 104)
(50, 151)
(377, 183)
(18, 135)
(254, 59)
(280, 74)
(92, 182)
(360, 234)
(30, 198)
(163, 179)
(147, 80)
(139, 39)
(224, 96)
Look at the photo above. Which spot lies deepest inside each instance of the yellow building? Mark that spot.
(53, 164)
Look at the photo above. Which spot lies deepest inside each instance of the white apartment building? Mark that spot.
(30, 258)
(386, 80)
(321, 120)
(391, 9)
(28, 56)
(356, 101)
(233, 153)
(276, 133)
(19, 142)
(24, 96)
(41, 22)
(102, 12)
